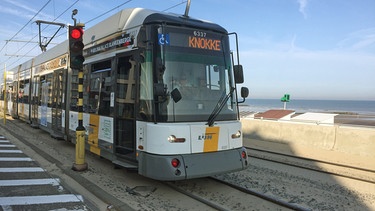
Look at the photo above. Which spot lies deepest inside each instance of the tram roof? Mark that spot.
(26, 65)
(130, 18)
(52, 53)
(122, 21)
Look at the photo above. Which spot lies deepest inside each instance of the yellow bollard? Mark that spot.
(80, 164)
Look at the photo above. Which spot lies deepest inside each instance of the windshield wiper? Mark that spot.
(219, 107)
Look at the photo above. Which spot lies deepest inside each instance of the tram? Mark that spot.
(160, 95)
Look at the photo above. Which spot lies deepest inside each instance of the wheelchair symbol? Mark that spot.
(163, 39)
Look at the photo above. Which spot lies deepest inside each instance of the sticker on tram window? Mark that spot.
(163, 39)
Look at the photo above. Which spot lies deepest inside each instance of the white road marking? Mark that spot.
(7, 145)
(50, 199)
(21, 169)
(15, 159)
(53, 182)
(7, 202)
(10, 151)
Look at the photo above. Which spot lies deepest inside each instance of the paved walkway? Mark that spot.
(26, 186)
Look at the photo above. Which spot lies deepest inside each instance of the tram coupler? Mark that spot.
(80, 164)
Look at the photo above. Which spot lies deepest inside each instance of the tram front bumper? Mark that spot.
(189, 166)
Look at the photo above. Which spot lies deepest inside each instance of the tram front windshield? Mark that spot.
(193, 68)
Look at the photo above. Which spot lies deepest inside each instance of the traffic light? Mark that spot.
(286, 98)
(76, 47)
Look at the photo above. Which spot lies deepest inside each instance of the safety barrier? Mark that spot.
(346, 139)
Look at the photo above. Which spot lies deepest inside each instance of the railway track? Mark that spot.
(205, 193)
(336, 169)
(249, 198)
(217, 195)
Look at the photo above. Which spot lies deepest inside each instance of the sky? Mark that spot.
(310, 49)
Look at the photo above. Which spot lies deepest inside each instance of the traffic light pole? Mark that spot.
(76, 63)
(80, 164)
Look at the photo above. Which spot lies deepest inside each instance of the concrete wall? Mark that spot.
(349, 140)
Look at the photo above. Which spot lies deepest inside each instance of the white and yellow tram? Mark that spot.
(159, 95)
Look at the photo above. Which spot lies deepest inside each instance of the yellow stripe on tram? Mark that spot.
(211, 139)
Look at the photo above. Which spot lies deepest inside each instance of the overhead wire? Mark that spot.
(26, 24)
(28, 42)
(108, 11)
(19, 49)
(174, 6)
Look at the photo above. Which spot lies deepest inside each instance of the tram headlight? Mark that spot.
(236, 135)
(174, 139)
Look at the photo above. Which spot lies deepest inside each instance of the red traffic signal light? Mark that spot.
(76, 33)
(76, 47)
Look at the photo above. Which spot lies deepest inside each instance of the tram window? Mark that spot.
(42, 78)
(133, 92)
(123, 71)
(95, 84)
(122, 90)
(26, 92)
(213, 77)
(20, 91)
(146, 91)
(125, 93)
(100, 89)
(45, 91)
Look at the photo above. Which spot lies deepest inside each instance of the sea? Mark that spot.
(301, 106)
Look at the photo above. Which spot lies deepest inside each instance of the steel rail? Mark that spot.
(313, 169)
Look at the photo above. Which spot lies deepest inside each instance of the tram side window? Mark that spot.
(23, 92)
(146, 91)
(45, 90)
(99, 99)
(20, 91)
(26, 92)
(15, 91)
(125, 87)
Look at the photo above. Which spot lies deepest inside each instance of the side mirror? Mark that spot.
(176, 95)
(238, 74)
(244, 94)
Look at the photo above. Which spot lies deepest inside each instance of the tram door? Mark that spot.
(35, 101)
(57, 96)
(125, 107)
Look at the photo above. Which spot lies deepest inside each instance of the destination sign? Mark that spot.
(192, 39)
(124, 40)
(204, 43)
